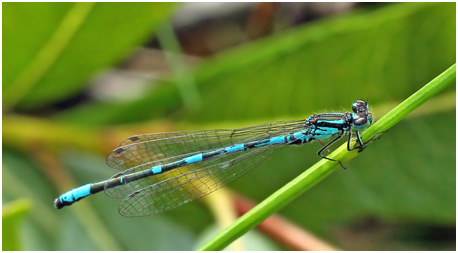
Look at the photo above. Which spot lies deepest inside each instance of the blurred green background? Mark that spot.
(80, 77)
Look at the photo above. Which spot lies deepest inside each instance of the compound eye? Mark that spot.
(360, 121)
(354, 107)
(359, 105)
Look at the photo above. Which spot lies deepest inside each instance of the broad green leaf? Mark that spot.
(50, 50)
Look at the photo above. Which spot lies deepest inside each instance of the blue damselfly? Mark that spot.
(163, 171)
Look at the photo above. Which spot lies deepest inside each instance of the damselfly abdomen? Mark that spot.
(163, 171)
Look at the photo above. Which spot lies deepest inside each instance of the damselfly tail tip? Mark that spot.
(58, 204)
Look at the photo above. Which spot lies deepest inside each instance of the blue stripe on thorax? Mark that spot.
(76, 194)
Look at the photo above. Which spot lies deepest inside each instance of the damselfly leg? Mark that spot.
(328, 145)
(362, 145)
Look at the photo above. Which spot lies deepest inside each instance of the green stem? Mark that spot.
(324, 168)
(181, 72)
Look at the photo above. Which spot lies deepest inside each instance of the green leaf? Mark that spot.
(54, 48)
(12, 216)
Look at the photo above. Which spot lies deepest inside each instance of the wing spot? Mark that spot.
(119, 150)
(134, 193)
(134, 138)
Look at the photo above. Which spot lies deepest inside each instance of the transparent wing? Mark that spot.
(142, 152)
(141, 149)
(194, 184)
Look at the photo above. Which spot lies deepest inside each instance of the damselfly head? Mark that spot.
(361, 116)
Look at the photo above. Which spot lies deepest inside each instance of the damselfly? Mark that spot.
(163, 171)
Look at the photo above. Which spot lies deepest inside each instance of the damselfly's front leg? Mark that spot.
(329, 144)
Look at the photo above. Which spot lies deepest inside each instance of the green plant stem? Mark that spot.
(324, 168)
(181, 72)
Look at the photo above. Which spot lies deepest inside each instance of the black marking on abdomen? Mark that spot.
(250, 145)
(211, 154)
